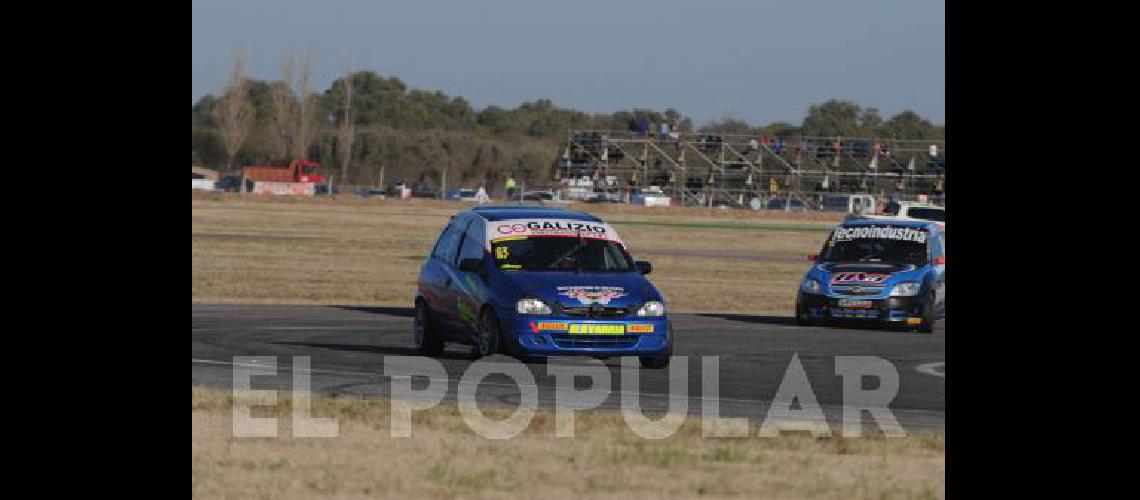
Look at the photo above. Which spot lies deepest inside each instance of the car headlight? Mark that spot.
(651, 308)
(811, 285)
(906, 289)
(532, 306)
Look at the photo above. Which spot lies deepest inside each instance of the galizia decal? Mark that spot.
(587, 295)
(857, 277)
(506, 230)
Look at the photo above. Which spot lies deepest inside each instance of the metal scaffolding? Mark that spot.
(699, 169)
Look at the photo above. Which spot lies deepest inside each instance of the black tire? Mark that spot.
(425, 335)
(928, 316)
(802, 318)
(489, 341)
(661, 360)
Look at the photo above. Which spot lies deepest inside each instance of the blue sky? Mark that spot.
(761, 61)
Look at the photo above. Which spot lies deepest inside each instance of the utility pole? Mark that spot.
(347, 128)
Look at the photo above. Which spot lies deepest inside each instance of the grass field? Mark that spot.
(444, 459)
(367, 251)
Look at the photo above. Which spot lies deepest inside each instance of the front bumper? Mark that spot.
(891, 309)
(562, 336)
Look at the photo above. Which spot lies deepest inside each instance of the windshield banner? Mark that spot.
(916, 235)
(527, 228)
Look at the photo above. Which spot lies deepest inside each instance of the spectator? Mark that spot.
(752, 145)
(664, 130)
(778, 145)
(933, 151)
(512, 187)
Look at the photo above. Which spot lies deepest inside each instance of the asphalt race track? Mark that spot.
(348, 344)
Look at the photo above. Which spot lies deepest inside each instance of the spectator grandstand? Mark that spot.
(733, 169)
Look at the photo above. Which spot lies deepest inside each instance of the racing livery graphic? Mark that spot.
(592, 294)
(839, 278)
(539, 281)
(891, 273)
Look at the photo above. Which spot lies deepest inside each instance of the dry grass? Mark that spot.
(444, 459)
(368, 251)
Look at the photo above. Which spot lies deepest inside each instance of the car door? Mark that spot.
(439, 274)
(469, 289)
(938, 273)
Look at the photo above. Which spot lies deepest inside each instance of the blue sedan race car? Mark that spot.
(539, 281)
(891, 272)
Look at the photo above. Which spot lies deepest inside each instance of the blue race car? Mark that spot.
(539, 281)
(869, 270)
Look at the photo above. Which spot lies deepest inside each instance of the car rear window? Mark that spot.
(935, 214)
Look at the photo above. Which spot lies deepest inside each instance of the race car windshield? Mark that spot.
(545, 253)
(874, 250)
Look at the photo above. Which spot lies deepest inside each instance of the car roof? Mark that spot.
(505, 212)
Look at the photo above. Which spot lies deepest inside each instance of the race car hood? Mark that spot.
(578, 289)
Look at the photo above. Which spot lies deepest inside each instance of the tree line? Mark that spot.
(371, 129)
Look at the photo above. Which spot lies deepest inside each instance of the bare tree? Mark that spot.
(306, 110)
(283, 106)
(347, 127)
(294, 106)
(234, 112)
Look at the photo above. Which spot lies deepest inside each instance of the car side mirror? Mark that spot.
(813, 257)
(472, 266)
(644, 266)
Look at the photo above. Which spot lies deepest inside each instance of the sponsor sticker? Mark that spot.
(855, 303)
(640, 328)
(596, 329)
(526, 228)
(917, 235)
(545, 326)
(587, 295)
(858, 277)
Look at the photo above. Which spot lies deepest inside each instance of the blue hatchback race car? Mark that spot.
(891, 272)
(539, 281)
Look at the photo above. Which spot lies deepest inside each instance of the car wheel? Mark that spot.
(426, 337)
(802, 318)
(928, 316)
(488, 342)
(661, 360)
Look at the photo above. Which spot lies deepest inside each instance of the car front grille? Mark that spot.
(595, 340)
(595, 312)
(850, 290)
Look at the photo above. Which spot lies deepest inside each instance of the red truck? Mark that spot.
(296, 170)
